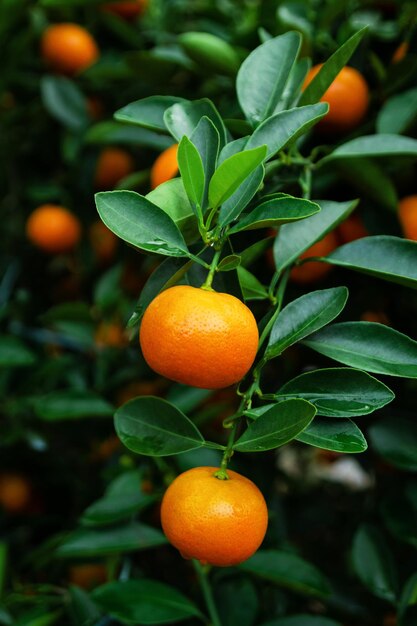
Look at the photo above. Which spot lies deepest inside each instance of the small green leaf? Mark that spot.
(173, 200)
(230, 262)
(65, 102)
(192, 172)
(154, 427)
(395, 440)
(210, 52)
(183, 117)
(144, 601)
(373, 563)
(340, 435)
(289, 571)
(139, 222)
(109, 132)
(252, 289)
(390, 258)
(231, 174)
(372, 347)
(383, 145)
(206, 139)
(277, 426)
(274, 212)
(338, 392)
(304, 316)
(14, 353)
(148, 112)
(70, 405)
(408, 598)
(398, 113)
(81, 607)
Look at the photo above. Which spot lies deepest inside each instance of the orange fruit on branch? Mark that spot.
(88, 575)
(347, 96)
(352, 228)
(165, 166)
(103, 241)
(219, 522)
(53, 228)
(311, 271)
(68, 48)
(113, 164)
(127, 10)
(198, 337)
(15, 493)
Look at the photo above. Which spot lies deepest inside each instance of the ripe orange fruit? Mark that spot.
(110, 334)
(53, 228)
(127, 10)
(401, 52)
(68, 48)
(103, 242)
(219, 522)
(407, 214)
(315, 270)
(113, 164)
(15, 493)
(375, 316)
(351, 229)
(87, 575)
(198, 337)
(347, 96)
(165, 166)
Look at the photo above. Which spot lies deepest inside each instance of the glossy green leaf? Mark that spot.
(283, 128)
(302, 620)
(109, 132)
(383, 145)
(369, 346)
(152, 426)
(14, 353)
(330, 69)
(192, 172)
(70, 405)
(263, 75)
(210, 52)
(231, 174)
(182, 118)
(144, 601)
(148, 112)
(340, 435)
(252, 289)
(206, 139)
(274, 212)
(139, 222)
(173, 200)
(86, 543)
(65, 102)
(338, 392)
(277, 426)
(81, 608)
(289, 571)
(304, 316)
(398, 113)
(230, 262)
(294, 85)
(294, 239)
(395, 439)
(373, 563)
(391, 258)
(240, 199)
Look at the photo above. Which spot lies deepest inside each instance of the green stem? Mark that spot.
(306, 182)
(213, 267)
(221, 473)
(207, 592)
(280, 298)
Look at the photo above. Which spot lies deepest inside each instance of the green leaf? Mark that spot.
(274, 212)
(369, 179)
(110, 132)
(228, 263)
(390, 258)
(395, 439)
(231, 174)
(206, 139)
(294, 85)
(382, 145)
(374, 564)
(408, 598)
(400, 514)
(294, 239)
(240, 199)
(289, 571)
(277, 426)
(81, 608)
(182, 118)
(39, 616)
(398, 113)
(210, 52)
(144, 601)
(372, 347)
(304, 316)
(65, 102)
(148, 112)
(252, 289)
(173, 200)
(71, 405)
(3, 565)
(14, 353)
(139, 222)
(152, 426)
(302, 620)
(338, 392)
(192, 172)
(331, 68)
(340, 435)
(263, 75)
(237, 601)
(283, 128)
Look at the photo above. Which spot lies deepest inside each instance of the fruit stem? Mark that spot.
(221, 473)
(279, 300)
(202, 571)
(213, 267)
